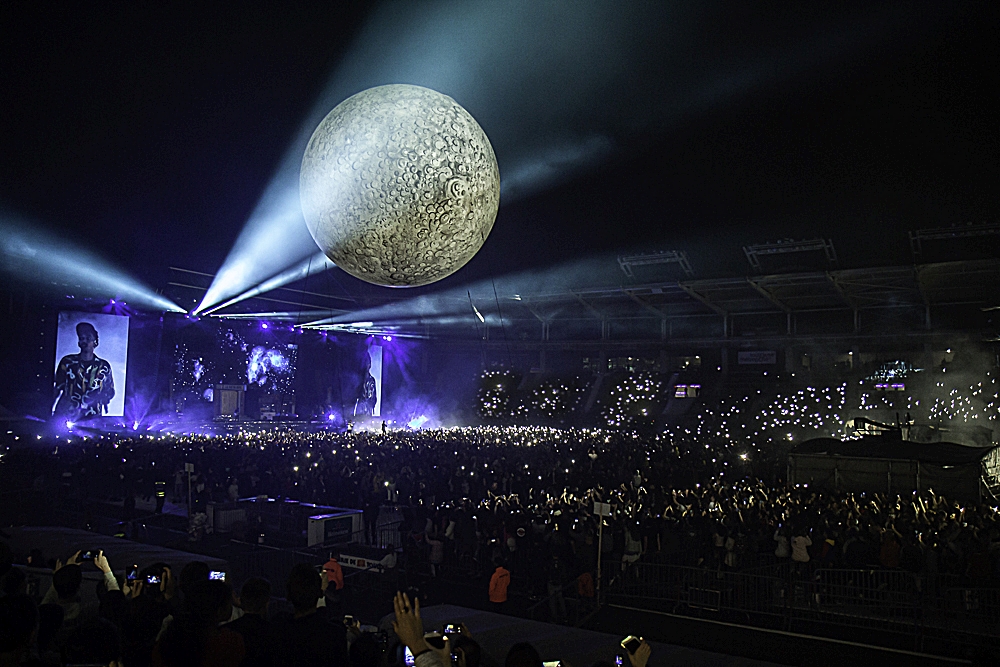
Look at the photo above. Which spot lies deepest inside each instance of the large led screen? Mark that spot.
(91, 355)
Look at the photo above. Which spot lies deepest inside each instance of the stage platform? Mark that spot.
(496, 633)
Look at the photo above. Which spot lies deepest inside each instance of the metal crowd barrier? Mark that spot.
(797, 596)
(370, 584)
(271, 563)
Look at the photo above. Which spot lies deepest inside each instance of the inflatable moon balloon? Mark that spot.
(399, 186)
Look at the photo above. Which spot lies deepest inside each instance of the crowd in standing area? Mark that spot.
(523, 497)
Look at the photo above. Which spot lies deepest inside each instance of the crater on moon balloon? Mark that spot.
(399, 185)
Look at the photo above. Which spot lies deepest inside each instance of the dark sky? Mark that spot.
(149, 134)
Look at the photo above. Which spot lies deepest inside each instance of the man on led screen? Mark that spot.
(367, 392)
(84, 385)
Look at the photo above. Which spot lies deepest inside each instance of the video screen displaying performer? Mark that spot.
(369, 395)
(84, 384)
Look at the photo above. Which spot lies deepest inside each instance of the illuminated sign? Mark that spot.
(686, 390)
(894, 386)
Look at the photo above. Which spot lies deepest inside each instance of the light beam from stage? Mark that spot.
(317, 263)
(41, 257)
(452, 306)
(281, 316)
(559, 88)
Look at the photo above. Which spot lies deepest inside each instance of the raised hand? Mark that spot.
(408, 626)
(641, 655)
(102, 562)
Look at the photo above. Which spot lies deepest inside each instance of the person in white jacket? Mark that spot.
(800, 548)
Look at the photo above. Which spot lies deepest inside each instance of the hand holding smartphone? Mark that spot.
(631, 644)
(637, 650)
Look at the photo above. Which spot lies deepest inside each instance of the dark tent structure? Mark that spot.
(889, 464)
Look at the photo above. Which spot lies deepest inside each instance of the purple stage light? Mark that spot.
(263, 325)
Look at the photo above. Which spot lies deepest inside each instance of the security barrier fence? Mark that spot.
(892, 604)
(273, 564)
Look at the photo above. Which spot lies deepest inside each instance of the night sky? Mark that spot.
(148, 134)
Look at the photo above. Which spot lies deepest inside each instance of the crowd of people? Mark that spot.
(154, 617)
(513, 504)
(524, 496)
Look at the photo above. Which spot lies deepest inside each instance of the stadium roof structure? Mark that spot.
(921, 300)
(853, 302)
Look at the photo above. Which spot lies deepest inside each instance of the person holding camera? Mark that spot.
(66, 580)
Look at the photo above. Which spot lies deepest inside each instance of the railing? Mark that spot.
(562, 606)
(794, 596)
(254, 560)
(384, 536)
(370, 583)
(694, 588)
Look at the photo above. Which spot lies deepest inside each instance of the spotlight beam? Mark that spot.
(547, 92)
(317, 263)
(40, 257)
(287, 315)
(452, 303)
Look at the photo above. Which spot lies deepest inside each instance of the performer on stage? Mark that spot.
(84, 385)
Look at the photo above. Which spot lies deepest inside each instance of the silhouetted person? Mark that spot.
(253, 626)
(310, 637)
